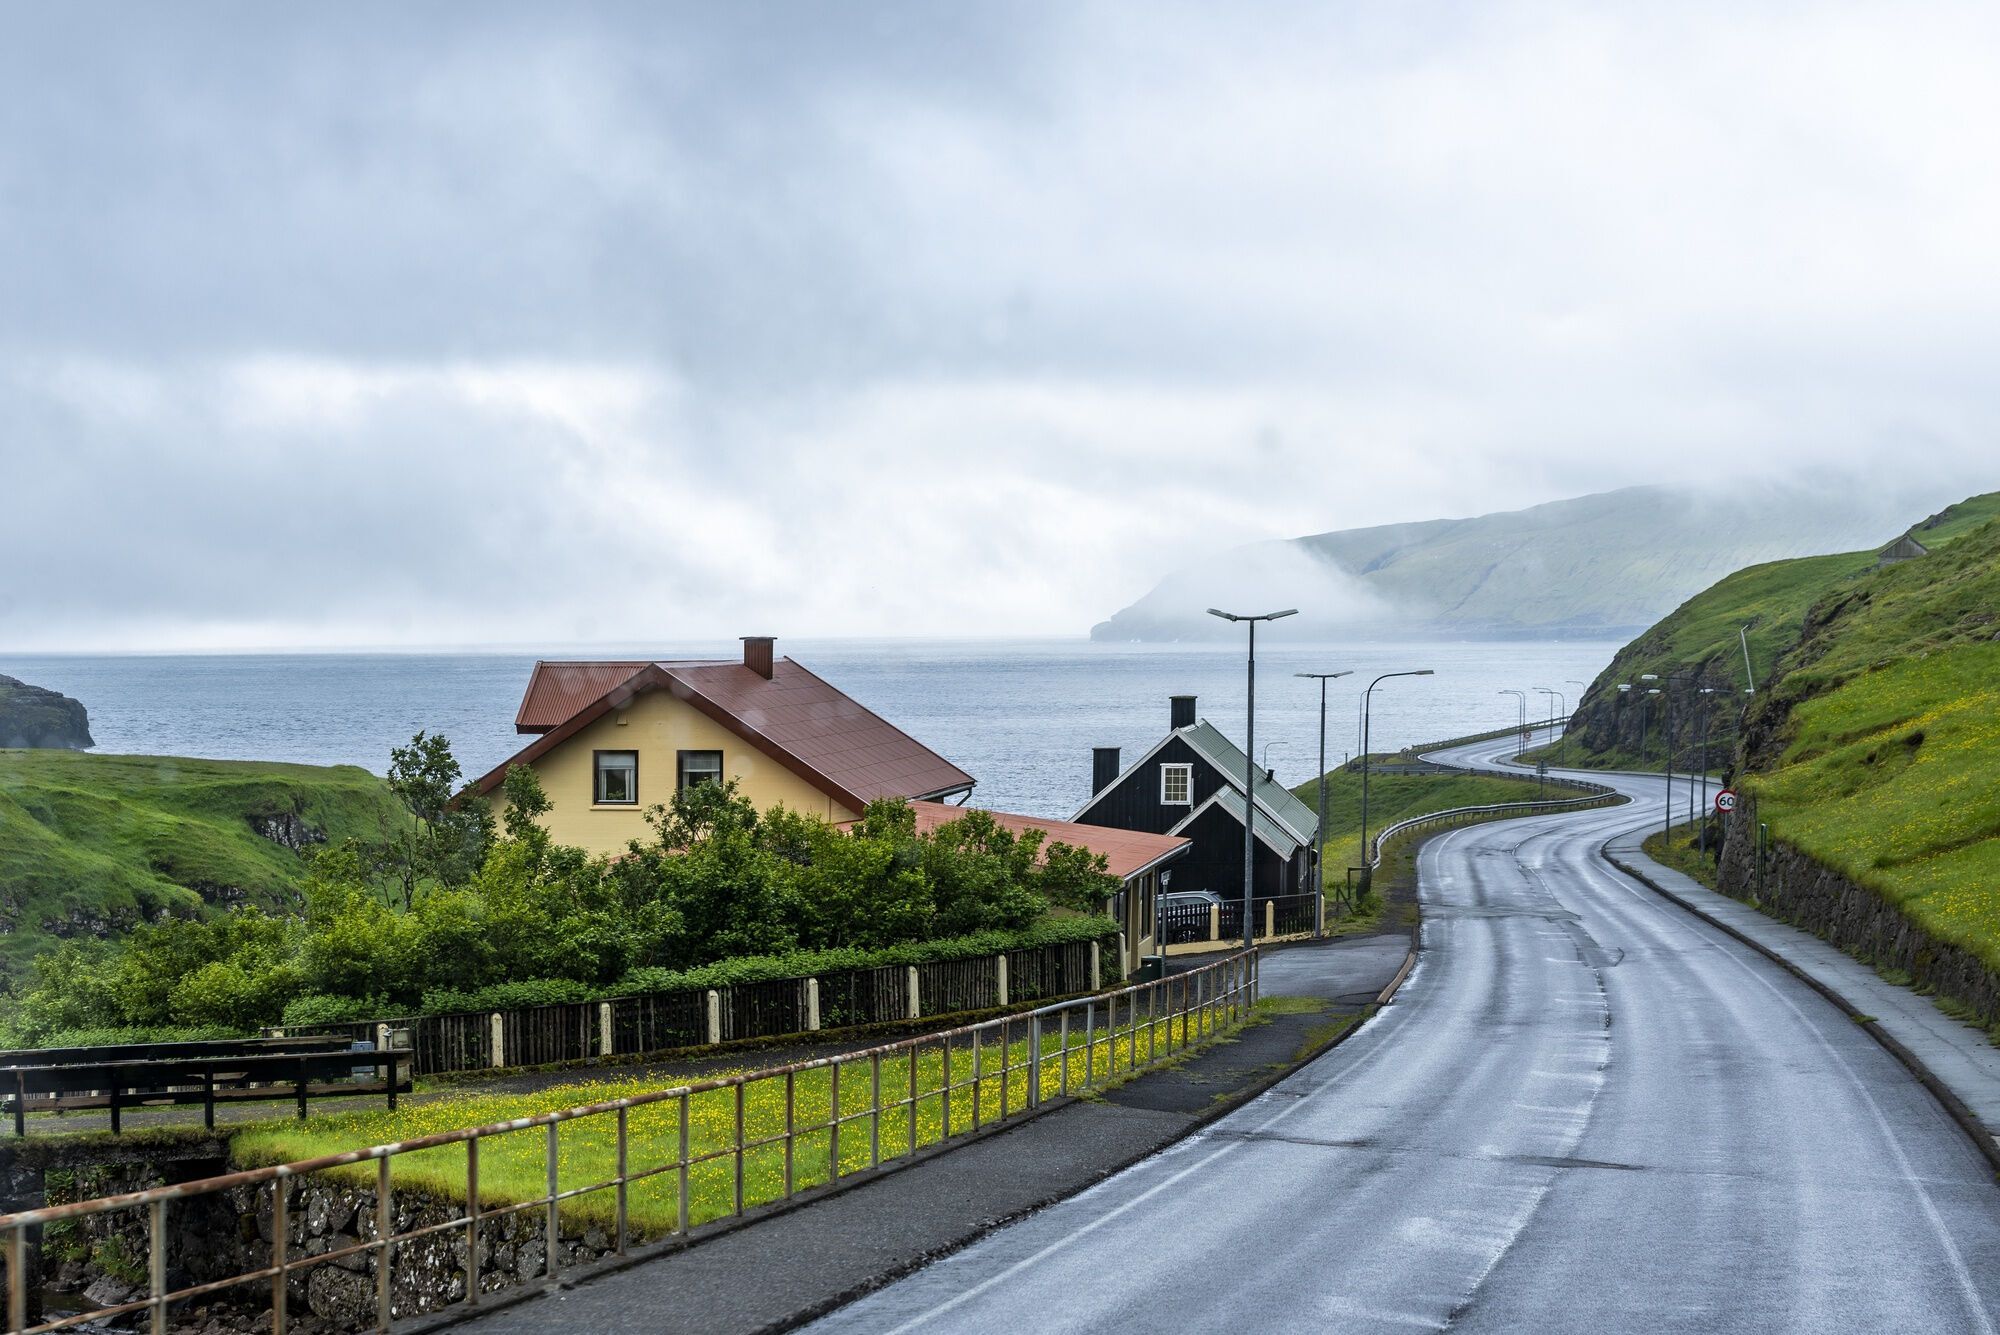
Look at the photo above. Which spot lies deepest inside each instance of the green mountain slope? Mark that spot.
(1699, 644)
(1878, 751)
(90, 844)
(1599, 565)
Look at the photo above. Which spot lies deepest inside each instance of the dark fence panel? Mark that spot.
(1291, 914)
(1232, 920)
(863, 996)
(945, 987)
(460, 1042)
(763, 1010)
(1182, 923)
(538, 1035)
(656, 1020)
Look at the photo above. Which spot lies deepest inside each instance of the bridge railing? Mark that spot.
(700, 1151)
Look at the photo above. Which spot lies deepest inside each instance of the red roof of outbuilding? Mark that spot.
(794, 715)
(1126, 852)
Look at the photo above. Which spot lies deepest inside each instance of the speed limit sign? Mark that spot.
(1725, 801)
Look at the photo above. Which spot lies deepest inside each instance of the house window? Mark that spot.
(617, 778)
(1176, 784)
(700, 767)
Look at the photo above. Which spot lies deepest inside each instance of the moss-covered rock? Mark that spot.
(39, 719)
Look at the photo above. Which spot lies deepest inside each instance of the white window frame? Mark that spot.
(1186, 773)
(598, 769)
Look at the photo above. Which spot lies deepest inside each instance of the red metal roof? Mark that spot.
(1126, 852)
(557, 692)
(795, 716)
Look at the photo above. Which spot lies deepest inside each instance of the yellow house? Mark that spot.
(615, 738)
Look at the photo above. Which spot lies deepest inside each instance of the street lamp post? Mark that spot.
(1319, 836)
(1367, 718)
(1582, 689)
(1555, 707)
(1702, 817)
(1250, 760)
(1665, 689)
(1521, 698)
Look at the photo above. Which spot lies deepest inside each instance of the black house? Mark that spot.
(1191, 784)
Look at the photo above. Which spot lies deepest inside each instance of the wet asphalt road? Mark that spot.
(1586, 1111)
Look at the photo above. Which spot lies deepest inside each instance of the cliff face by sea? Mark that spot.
(41, 719)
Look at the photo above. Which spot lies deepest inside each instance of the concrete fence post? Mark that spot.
(1270, 917)
(714, 1016)
(812, 1004)
(910, 993)
(1000, 977)
(1096, 967)
(604, 1029)
(498, 1029)
(381, 1038)
(1215, 922)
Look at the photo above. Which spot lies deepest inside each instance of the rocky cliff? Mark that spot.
(41, 719)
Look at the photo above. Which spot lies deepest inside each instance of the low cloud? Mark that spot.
(496, 324)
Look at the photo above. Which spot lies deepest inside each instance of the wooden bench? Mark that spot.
(226, 1077)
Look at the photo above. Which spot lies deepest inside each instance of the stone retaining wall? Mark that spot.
(103, 1258)
(1795, 888)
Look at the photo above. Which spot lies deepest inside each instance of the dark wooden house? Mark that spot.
(1191, 783)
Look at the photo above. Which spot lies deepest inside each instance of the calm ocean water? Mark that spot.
(1020, 716)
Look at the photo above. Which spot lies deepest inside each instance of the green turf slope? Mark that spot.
(90, 844)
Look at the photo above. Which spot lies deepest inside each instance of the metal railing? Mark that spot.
(736, 1142)
(1594, 795)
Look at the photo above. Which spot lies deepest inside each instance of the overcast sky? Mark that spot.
(379, 324)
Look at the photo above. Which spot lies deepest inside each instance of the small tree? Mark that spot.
(448, 835)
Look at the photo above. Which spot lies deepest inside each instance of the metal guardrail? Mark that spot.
(1593, 795)
(146, 1082)
(1017, 1064)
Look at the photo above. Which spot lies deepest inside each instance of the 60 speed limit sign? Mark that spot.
(1725, 801)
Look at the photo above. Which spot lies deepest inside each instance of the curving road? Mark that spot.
(1586, 1111)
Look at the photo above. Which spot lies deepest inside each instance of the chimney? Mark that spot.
(1103, 768)
(757, 654)
(1181, 711)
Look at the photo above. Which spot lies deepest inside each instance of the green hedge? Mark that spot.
(754, 969)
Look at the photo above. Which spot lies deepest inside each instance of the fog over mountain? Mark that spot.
(509, 323)
(1603, 565)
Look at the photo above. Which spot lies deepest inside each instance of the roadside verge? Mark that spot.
(1954, 1061)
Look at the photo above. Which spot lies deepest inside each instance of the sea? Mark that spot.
(1020, 716)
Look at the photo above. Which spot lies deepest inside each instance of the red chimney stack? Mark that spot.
(757, 651)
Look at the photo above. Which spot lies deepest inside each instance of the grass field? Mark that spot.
(513, 1166)
(106, 840)
(1394, 797)
(1893, 778)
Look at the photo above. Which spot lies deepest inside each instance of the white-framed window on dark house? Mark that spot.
(616, 778)
(700, 767)
(1176, 785)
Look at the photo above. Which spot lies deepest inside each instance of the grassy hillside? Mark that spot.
(1394, 797)
(90, 844)
(1775, 601)
(1878, 751)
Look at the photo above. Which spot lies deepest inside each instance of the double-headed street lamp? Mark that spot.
(1319, 839)
(1557, 705)
(1250, 758)
(1667, 681)
(1367, 717)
